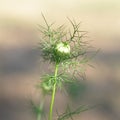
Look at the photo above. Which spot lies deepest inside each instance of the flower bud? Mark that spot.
(63, 48)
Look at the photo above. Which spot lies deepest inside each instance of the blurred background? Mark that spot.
(21, 66)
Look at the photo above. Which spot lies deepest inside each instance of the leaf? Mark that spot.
(70, 113)
(36, 109)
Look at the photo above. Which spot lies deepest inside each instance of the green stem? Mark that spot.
(39, 115)
(53, 94)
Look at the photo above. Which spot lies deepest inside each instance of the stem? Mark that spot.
(53, 94)
(39, 115)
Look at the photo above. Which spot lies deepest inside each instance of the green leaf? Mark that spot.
(36, 109)
(70, 113)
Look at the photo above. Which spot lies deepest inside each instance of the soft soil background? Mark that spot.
(21, 66)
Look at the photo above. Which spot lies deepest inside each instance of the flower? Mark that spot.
(46, 86)
(63, 48)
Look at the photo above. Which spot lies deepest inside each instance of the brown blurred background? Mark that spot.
(21, 66)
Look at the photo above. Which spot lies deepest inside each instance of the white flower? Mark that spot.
(63, 48)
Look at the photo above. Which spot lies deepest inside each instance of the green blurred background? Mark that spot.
(21, 66)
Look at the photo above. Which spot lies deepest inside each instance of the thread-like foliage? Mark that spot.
(67, 51)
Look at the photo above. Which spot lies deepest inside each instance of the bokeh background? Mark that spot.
(21, 66)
